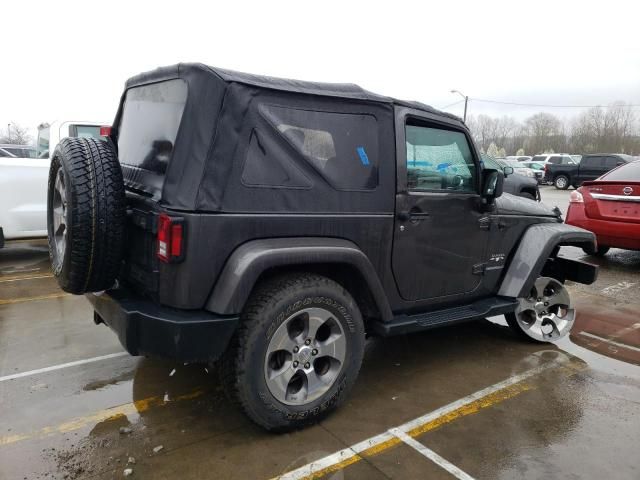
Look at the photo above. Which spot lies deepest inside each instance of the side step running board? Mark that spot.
(423, 321)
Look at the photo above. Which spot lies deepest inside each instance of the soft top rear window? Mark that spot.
(150, 120)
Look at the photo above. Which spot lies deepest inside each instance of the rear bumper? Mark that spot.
(608, 233)
(146, 328)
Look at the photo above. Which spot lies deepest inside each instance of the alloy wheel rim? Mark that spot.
(60, 214)
(561, 182)
(546, 314)
(305, 356)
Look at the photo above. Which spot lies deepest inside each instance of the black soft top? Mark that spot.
(342, 90)
(224, 119)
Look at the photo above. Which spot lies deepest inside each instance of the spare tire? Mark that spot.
(85, 214)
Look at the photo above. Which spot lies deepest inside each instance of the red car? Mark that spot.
(610, 208)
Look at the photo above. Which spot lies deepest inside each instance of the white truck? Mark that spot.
(23, 181)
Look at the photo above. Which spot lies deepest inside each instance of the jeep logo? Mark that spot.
(627, 190)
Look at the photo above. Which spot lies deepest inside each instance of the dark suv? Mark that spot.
(270, 224)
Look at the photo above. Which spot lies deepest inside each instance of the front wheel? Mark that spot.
(297, 353)
(545, 314)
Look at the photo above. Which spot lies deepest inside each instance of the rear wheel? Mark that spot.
(545, 314)
(297, 353)
(85, 215)
(601, 251)
(561, 182)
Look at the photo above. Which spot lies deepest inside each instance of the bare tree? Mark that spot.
(15, 134)
(614, 129)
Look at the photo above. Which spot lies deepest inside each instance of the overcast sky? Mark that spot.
(69, 60)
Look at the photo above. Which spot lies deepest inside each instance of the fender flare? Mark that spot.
(250, 260)
(535, 248)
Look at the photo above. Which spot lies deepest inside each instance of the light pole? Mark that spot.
(466, 100)
(9, 132)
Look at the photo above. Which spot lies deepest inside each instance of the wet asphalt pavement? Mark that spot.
(569, 410)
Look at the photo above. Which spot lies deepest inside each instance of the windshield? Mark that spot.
(42, 145)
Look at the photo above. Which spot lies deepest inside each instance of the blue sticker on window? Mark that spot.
(363, 155)
(443, 166)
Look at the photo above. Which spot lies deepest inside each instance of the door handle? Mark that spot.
(414, 214)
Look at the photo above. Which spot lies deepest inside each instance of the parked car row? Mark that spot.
(24, 172)
(563, 175)
(607, 196)
(610, 208)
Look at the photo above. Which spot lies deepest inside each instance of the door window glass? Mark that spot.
(610, 162)
(438, 159)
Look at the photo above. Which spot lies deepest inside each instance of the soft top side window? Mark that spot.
(342, 147)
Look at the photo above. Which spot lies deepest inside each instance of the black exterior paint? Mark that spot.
(418, 252)
(146, 328)
(249, 261)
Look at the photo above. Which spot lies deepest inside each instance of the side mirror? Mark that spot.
(492, 184)
(508, 171)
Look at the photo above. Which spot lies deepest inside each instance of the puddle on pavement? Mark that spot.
(169, 401)
(24, 257)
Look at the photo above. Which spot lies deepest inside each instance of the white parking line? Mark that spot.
(431, 455)
(610, 342)
(351, 454)
(61, 366)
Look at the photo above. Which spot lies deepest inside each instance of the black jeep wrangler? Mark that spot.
(271, 224)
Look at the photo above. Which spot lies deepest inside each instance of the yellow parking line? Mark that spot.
(24, 277)
(382, 442)
(136, 407)
(9, 301)
(463, 411)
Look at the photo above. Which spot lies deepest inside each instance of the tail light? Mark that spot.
(171, 234)
(576, 197)
(105, 131)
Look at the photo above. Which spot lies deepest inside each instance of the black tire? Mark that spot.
(242, 367)
(601, 251)
(527, 195)
(515, 328)
(86, 253)
(561, 182)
